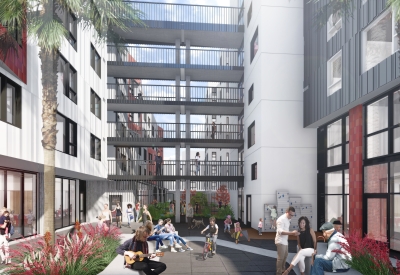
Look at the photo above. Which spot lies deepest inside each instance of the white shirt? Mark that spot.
(282, 224)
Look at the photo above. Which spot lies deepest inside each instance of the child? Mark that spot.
(237, 232)
(273, 215)
(213, 232)
(227, 224)
(260, 227)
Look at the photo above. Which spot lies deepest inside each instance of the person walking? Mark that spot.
(145, 214)
(197, 163)
(129, 214)
(281, 239)
(5, 226)
(307, 245)
(189, 215)
(107, 214)
(137, 211)
(118, 215)
(159, 161)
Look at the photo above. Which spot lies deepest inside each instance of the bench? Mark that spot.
(116, 266)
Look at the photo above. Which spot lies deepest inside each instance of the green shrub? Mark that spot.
(225, 211)
(155, 212)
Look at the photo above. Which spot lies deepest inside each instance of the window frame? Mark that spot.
(67, 132)
(330, 83)
(251, 136)
(67, 83)
(254, 171)
(249, 14)
(251, 94)
(95, 148)
(95, 60)
(253, 40)
(93, 97)
(16, 102)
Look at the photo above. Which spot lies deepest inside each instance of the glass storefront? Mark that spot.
(18, 193)
(66, 200)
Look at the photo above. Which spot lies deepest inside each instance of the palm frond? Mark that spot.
(343, 8)
(395, 4)
(48, 33)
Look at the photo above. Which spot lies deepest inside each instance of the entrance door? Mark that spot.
(248, 210)
(376, 223)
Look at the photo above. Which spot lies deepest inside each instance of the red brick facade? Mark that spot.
(356, 168)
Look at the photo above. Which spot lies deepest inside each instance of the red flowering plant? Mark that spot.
(368, 256)
(87, 252)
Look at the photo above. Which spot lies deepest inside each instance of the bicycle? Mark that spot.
(208, 247)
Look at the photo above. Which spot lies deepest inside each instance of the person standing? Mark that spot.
(189, 215)
(281, 239)
(5, 226)
(118, 215)
(159, 161)
(197, 163)
(260, 226)
(107, 214)
(129, 214)
(137, 211)
(145, 214)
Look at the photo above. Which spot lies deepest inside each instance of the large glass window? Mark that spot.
(378, 41)
(337, 141)
(65, 202)
(30, 200)
(376, 178)
(377, 128)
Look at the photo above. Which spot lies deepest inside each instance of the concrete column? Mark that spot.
(177, 88)
(188, 128)
(177, 184)
(187, 52)
(177, 125)
(178, 51)
(187, 90)
(356, 169)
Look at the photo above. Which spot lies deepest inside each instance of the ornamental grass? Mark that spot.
(87, 251)
(368, 256)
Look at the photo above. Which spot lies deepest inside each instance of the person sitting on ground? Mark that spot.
(169, 228)
(307, 245)
(227, 224)
(213, 232)
(333, 260)
(139, 243)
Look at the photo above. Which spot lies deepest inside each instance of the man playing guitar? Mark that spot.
(139, 244)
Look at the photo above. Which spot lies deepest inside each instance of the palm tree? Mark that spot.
(46, 28)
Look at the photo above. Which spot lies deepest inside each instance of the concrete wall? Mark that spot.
(285, 152)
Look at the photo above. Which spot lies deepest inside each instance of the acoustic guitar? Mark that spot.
(139, 257)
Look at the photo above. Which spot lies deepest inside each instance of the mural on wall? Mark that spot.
(272, 211)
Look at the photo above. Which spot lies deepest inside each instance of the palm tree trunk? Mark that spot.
(49, 132)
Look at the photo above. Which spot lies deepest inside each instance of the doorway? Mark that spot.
(248, 210)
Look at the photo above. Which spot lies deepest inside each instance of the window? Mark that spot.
(66, 135)
(251, 94)
(66, 79)
(70, 23)
(249, 14)
(213, 156)
(15, 32)
(334, 70)
(214, 117)
(227, 156)
(254, 171)
(95, 147)
(379, 41)
(95, 60)
(333, 25)
(377, 127)
(10, 102)
(65, 203)
(251, 135)
(254, 45)
(95, 104)
(337, 142)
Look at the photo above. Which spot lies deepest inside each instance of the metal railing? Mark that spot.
(174, 168)
(175, 93)
(174, 130)
(211, 16)
(170, 55)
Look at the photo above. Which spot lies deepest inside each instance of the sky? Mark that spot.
(169, 153)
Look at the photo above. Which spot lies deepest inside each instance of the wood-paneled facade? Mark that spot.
(357, 87)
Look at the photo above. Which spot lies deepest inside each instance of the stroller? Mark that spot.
(239, 234)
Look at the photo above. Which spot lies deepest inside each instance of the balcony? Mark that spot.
(175, 169)
(135, 134)
(204, 26)
(168, 99)
(166, 63)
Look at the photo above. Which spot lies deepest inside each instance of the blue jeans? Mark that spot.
(321, 265)
(227, 227)
(168, 236)
(178, 238)
(156, 238)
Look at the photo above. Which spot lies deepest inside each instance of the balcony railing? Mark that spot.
(174, 130)
(210, 18)
(174, 168)
(225, 59)
(175, 93)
